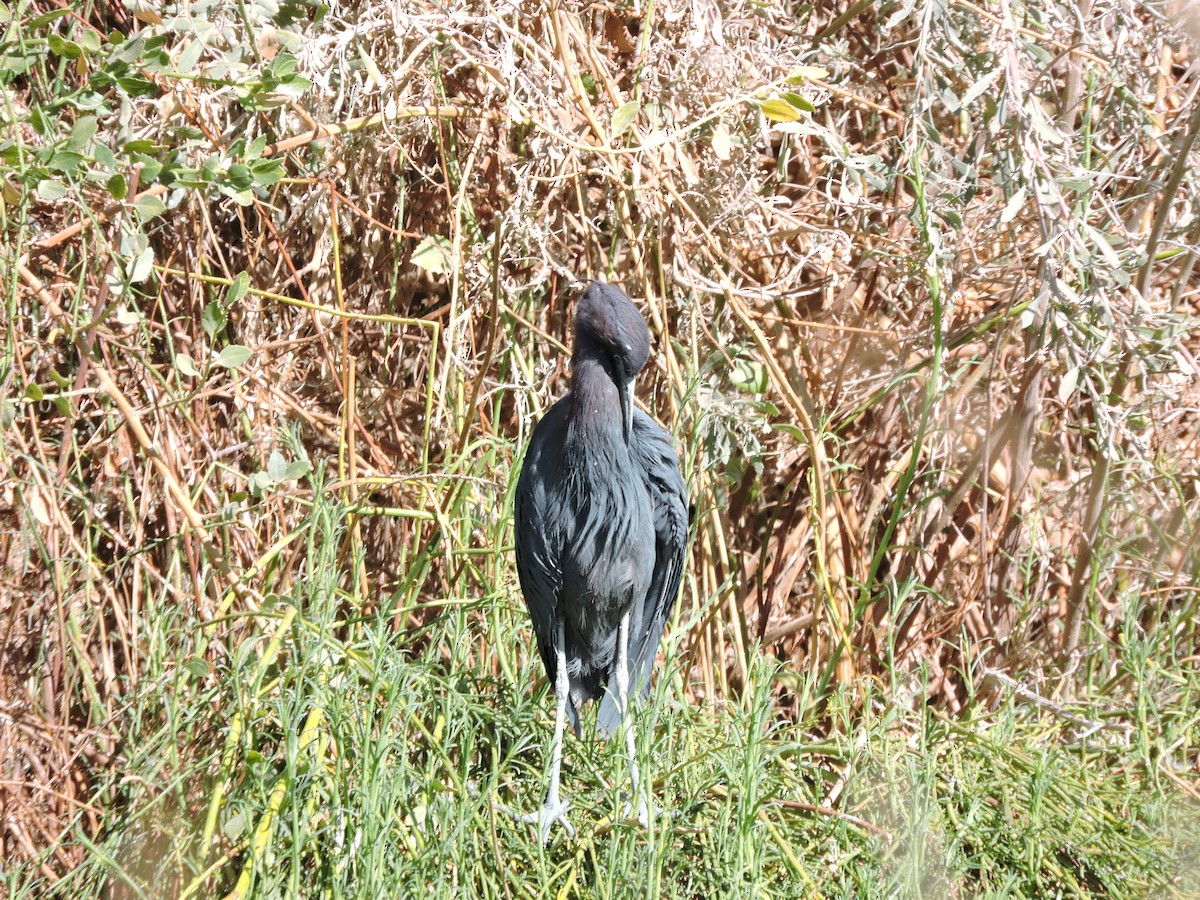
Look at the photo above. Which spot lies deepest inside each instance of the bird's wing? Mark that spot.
(537, 565)
(654, 452)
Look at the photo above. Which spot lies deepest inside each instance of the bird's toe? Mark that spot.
(553, 811)
(557, 813)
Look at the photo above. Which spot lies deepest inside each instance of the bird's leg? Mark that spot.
(630, 741)
(555, 808)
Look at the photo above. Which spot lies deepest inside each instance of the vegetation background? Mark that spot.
(284, 293)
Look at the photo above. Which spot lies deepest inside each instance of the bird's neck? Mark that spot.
(596, 403)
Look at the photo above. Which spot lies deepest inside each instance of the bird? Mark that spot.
(601, 520)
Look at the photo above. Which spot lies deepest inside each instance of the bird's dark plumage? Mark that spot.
(654, 452)
(601, 514)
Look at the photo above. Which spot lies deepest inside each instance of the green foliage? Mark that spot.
(374, 763)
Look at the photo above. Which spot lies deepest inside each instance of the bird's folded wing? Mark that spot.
(654, 452)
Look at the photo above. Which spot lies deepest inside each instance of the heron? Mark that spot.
(601, 523)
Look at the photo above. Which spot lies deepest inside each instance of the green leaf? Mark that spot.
(234, 827)
(434, 254)
(1103, 243)
(238, 288)
(40, 121)
(623, 117)
(294, 85)
(117, 186)
(150, 167)
(60, 46)
(256, 147)
(240, 175)
(233, 356)
(148, 206)
(133, 243)
(259, 483)
(90, 40)
(11, 66)
(975, 91)
(51, 190)
(46, 18)
(213, 319)
(1081, 185)
(137, 85)
(241, 198)
(186, 365)
(794, 431)
(65, 161)
(189, 56)
(277, 466)
(187, 178)
(82, 132)
(282, 66)
(104, 157)
(90, 100)
(749, 376)
(297, 470)
(799, 101)
(196, 666)
(588, 82)
(801, 74)
(142, 266)
(779, 111)
(34, 392)
(949, 216)
(266, 172)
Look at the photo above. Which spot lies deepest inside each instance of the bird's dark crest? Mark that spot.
(607, 319)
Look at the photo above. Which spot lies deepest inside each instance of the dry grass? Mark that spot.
(927, 346)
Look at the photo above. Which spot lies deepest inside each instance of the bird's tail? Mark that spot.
(608, 720)
(573, 716)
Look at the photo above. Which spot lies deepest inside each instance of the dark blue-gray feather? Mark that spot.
(582, 535)
(600, 515)
(654, 454)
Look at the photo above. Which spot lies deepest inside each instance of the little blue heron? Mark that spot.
(601, 526)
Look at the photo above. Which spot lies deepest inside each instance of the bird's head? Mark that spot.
(607, 321)
(608, 325)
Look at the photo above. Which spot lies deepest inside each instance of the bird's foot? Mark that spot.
(554, 810)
